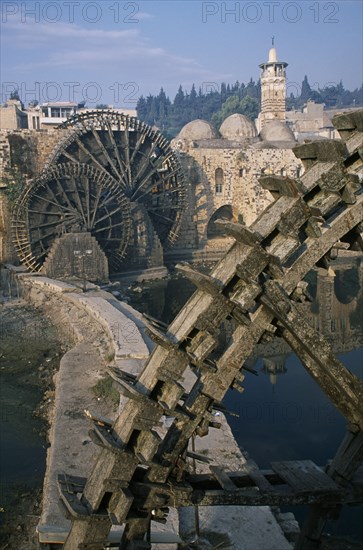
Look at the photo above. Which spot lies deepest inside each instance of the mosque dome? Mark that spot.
(276, 131)
(197, 130)
(238, 127)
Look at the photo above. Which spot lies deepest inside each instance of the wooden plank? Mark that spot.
(324, 202)
(260, 481)
(72, 504)
(106, 438)
(74, 484)
(98, 419)
(51, 534)
(283, 246)
(272, 216)
(223, 478)
(304, 476)
(196, 456)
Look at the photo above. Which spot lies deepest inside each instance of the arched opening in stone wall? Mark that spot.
(225, 212)
(218, 175)
(346, 284)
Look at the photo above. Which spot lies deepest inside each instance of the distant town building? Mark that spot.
(46, 115)
(311, 122)
(12, 115)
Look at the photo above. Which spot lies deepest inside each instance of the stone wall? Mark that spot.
(76, 255)
(31, 147)
(6, 252)
(26, 152)
(240, 189)
(12, 116)
(145, 250)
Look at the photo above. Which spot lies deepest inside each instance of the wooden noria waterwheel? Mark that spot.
(71, 198)
(107, 164)
(139, 474)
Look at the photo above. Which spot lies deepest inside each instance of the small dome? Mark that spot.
(237, 127)
(197, 130)
(276, 131)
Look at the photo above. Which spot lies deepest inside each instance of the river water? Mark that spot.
(29, 356)
(283, 414)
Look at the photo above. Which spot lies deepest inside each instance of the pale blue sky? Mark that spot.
(112, 52)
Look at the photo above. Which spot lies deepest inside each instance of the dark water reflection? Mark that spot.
(29, 354)
(290, 419)
(283, 414)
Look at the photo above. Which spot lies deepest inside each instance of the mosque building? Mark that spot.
(223, 167)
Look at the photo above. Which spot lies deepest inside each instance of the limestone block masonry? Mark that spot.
(76, 255)
(241, 189)
(26, 151)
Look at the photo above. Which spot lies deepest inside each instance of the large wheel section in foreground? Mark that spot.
(254, 284)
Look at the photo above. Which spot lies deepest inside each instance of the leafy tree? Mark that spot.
(15, 95)
(247, 106)
(305, 89)
(179, 99)
(242, 98)
(141, 108)
(15, 183)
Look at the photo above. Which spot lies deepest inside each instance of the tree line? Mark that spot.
(216, 104)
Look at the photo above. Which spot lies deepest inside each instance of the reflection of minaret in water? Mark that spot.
(274, 366)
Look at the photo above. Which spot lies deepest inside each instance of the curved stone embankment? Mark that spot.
(101, 329)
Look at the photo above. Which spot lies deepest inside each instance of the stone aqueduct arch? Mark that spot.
(138, 474)
(225, 212)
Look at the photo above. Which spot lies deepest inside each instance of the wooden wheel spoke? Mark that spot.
(107, 200)
(78, 199)
(31, 211)
(152, 208)
(126, 149)
(141, 185)
(140, 141)
(69, 156)
(49, 224)
(107, 215)
(95, 206)
(120, 224)
(60, 206)
(88, 204)
(63, 193)
(42, 238)
(119, 160)
(145, 162)
(104, 152)
(163, 217)
(90, 155)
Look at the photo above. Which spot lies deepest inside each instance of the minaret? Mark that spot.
(273, 88)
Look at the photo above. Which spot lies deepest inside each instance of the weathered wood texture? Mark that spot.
(253, 283)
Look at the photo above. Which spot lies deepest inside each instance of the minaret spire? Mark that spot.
(273, 88)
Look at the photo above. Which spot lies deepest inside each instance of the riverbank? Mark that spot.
(29, 356)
